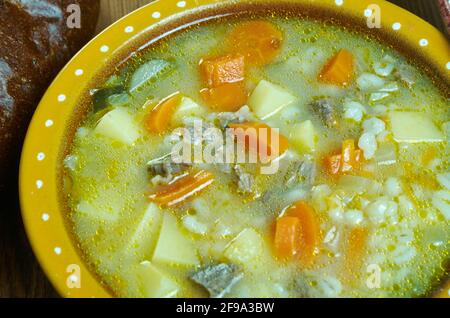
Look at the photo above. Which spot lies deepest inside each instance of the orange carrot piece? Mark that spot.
(158, 120)
(309, 239)
(356, 247)
(258, 41)
(266, 143)
(334, 164)
(348, 155)
(345, 162)
(287, 234)
(222, 70)
(228, 97)
(338, 70)
(182, 189)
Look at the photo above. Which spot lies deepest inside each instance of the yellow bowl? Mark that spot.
(42, 202)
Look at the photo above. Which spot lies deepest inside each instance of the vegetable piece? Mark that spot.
(245, 249)
(386, 154)
(225, 98)
(258, 41)
(347, 161)
(269, 144)
(339, 70)
(334, 164)
(182, 188)
(173, 247)
(217, 279)
(309, 239)
(356, 248)
(93, 211)
(222, 70)
(348, 155)
(154, 283)
(267, 99)
(441, 201)
(119, 125)
(148, 72)
(303, 136)
(143, 238)
(158, 119)
(101, 98)
(414, 127)
(287, 235)
(187, 108)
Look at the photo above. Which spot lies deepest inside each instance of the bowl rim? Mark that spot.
(39, 188)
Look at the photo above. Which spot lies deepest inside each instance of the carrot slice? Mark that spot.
(287, 234)
(222, 70)
(258, 41)
(260, 138)
(158, 120)
(334, 164)
(228, 97)
(356, 248)
(347, 161)
(338, 70)
(309, 239)
(182, 189)
(348, 155)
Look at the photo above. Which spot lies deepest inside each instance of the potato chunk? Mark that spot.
(414, 127)
(187, 108)
(173, 247)
(154, 283)
(268, 99)
(303, 137)
(143, 239)
(118, 125)
(246, 249)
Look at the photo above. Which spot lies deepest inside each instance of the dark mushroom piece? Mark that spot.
(325, 110)
(165, 168)
(301, 171)
(218, 280)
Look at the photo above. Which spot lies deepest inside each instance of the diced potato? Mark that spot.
(414, 127)
(94, 212)
(173, 247)
(143, 239)
(187, 108)
(245, 249)
(303, 136)
(154, 283)
(268, 99)
(119, 125)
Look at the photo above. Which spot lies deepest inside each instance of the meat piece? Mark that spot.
(246, 181)
(217, 279)
(35, 42)
(164, 169)
(325, 110)
(301, 171)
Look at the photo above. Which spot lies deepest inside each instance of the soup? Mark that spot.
(264, 157)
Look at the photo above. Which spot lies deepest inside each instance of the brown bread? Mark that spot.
(35, 43)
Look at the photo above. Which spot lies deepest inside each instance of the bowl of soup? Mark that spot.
(246, 149)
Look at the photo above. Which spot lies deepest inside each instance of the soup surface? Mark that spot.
(338, 182)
